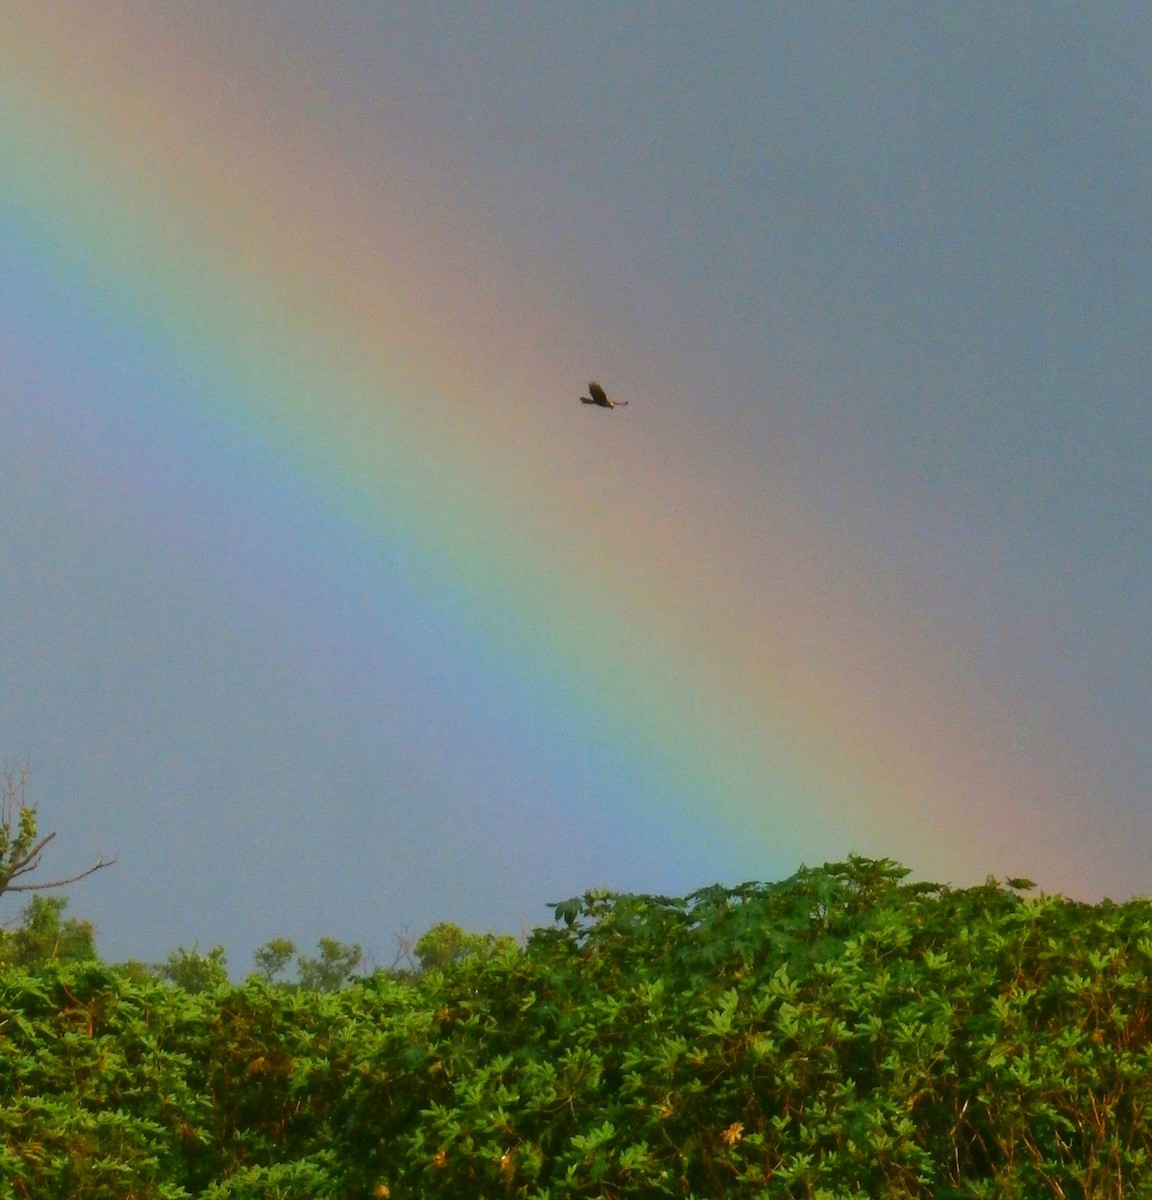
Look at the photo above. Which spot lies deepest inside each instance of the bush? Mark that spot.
(837, 1034)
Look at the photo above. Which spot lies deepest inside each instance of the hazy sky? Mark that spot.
(330, 610)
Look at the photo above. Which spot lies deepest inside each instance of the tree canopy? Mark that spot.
(838, 1033)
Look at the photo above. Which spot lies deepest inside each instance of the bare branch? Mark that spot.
(404, 945)
(99, 865)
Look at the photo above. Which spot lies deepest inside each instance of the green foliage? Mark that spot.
(135, 971)
(273, 957)
(20, 849)
(838, 1034)
(446, 944)
(193, 971)
(44, 935)
(332, 969)
(93, 1102)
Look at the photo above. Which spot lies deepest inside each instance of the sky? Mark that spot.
(330, 611)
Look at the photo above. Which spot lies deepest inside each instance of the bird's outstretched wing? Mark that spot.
(597, 395)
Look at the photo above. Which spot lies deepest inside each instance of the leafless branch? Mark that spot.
(404, 945)
(99, 865)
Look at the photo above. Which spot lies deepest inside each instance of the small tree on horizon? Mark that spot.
(46, 935)
(332, 969)
(193, 971)
(446, 943)
(273, 957)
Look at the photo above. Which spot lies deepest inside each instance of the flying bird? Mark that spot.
(597, 395)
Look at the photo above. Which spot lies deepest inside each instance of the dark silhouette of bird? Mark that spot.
(597, 395)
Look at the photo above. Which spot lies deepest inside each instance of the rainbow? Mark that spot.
(306, 326)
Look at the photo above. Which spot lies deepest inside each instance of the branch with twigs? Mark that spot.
(20, 847)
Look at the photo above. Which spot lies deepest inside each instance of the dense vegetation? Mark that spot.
(837, 1034)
